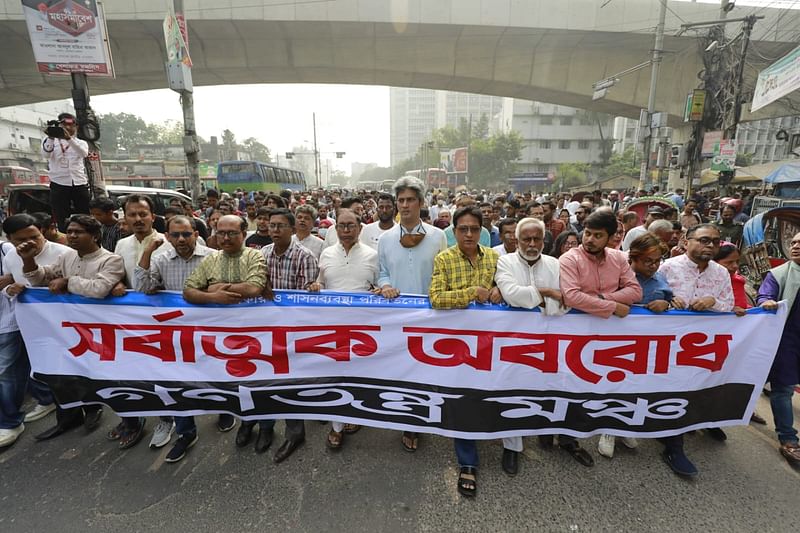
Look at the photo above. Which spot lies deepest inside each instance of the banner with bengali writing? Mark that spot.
(483, 372)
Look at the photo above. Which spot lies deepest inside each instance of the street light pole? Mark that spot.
(651, 99)
(316, 151)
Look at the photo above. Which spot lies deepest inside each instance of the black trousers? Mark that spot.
(68, 200)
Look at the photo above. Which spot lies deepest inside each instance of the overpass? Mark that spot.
(546, 50)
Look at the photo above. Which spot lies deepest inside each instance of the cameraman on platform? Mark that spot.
(69, 187)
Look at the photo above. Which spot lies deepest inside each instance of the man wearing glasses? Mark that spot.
(69, 188)
(463, 274)
(169, 271)
(347, 266)
(698, 284)
(290, 266)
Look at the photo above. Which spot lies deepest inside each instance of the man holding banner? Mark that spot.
(86, 270)
(783, 283)
(464, 274)
(698, 284)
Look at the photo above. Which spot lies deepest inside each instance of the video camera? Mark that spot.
(55, 130)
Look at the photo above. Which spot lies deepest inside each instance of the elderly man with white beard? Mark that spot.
(530, 279)
(527, 278)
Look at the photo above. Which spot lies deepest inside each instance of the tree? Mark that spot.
(258, 151)
(377, 174)
(492, 160)
(572, 174)
(745, 159)
(621, 164)
(229, 146)
(124, 131)
(168, 132)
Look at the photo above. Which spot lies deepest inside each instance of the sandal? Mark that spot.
(131, 437)
(114, 434)
(468, 481)
(351, 428)
(334, 440)
(410, 441)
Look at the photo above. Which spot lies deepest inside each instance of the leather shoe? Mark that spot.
(92, 418)
(578, 453)
(791, 452)
(58, 429)
(264, 440)
(717, 434)
(510, 462)
(287, 448)
(679, 463)
(245, 434)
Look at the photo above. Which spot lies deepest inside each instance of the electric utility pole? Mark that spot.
(651, 99)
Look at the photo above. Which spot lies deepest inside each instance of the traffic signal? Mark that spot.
(677, 156)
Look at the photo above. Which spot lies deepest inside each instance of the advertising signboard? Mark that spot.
(777, 80)
(68, 36)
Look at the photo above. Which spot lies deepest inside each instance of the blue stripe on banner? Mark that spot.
(301, 299)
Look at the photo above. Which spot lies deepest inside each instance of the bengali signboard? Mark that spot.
(68, 36)
(724, 157)
(711, 140)
(482, 372)
(777, 80)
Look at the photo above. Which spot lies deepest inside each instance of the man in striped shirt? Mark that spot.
(169, 271)
(290, 266)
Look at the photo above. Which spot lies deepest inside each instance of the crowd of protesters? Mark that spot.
(551, 252)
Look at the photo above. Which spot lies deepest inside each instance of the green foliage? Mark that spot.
(744, 160)
(258, 151)
(491, 157)
(378, 174)
(621, 164)
(168, 132)
(124, 130)
(572, 174)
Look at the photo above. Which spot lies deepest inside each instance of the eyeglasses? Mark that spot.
(179, 234)
(650, 262)
(464, 230)
(346, 227)
(279, 227)
(229, 234)
(705, 241)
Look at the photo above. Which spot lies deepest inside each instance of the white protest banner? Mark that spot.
(777, 80)
(483, 372)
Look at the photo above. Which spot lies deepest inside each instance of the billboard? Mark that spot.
(711, 140)
(777, 80)
(68, 36)
(724, 155)
(455, 160)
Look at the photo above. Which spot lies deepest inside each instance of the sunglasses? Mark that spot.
(179, 234)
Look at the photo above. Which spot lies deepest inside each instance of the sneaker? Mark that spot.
(178, 451)
(606, 445)
(225, 423)
(39, 412)
(161, 434)
(630, 442)
(10, 436)
(679, 463)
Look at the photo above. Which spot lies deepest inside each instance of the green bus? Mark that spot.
(257, 176)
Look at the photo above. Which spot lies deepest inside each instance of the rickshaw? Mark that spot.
(765, 243)
(641, 205)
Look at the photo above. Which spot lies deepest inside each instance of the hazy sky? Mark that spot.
(353, 117)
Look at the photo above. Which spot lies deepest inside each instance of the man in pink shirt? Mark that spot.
(698, 284)
(599, 281)
(595, 279)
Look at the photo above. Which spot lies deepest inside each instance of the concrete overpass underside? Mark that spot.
(552, 64)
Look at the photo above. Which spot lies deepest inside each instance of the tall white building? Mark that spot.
(625, 134)
(416, 113)
(554, 134)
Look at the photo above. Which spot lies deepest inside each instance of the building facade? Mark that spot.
(554, 134)
(771, 139)
(416, 113)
